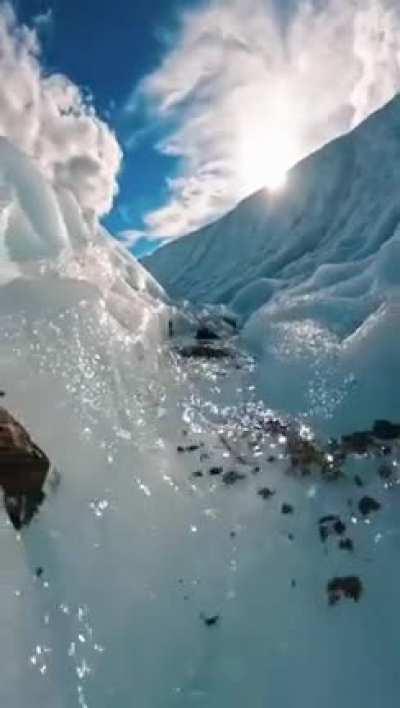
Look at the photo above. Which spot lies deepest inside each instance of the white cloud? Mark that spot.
(48, 117)
(130, 237)
(248, 94)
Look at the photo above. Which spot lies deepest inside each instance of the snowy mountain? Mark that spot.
(314, 273)
(194, 549)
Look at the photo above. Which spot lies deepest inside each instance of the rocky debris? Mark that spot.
(287, 509)
(368, 504)
(357, 443)
(205, 333)
(204, 351)
(23, 471)
(330, 525)
(346, 544)
(188, 448)
(274, 426)
(349, 587)
(385, 430)
(232, 477)
(265, 493)
(210, 621)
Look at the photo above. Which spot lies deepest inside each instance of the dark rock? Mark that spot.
(290, 537)
(205, 333)
(346, 544)
(287, 509)
(293, 583)
(265, 493)
(368, 504)
(2, 394)
(23, 471)
(198, 474)
(271, 459)
(385, 430)
(210, 621)
(180, 448)
(256, 469)
(357, 442)
(214, 471)
(348, 587)
(339, 527)
(329, 525)
(358, 481)
(39, 572)
(232, 477)
(204, 351)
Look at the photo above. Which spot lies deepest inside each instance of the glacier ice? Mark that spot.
(313, 273)
(104, 596)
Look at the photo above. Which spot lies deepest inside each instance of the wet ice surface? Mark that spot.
(143, 582)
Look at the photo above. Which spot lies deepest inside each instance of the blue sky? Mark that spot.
(107, 48)
(209, 100)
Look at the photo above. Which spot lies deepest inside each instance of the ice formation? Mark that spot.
(187, 557)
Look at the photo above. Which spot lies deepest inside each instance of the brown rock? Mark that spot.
(23, 471)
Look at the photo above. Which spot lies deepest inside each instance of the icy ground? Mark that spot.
(184, 557)
(160, 587)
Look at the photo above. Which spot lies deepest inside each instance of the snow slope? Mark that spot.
(104, 598)
(314, 273)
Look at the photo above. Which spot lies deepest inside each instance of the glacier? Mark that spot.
(312, 273)
(183, 559)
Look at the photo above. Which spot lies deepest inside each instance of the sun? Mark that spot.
(276, 178)
(264, 160)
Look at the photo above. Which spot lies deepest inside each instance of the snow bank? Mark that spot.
(52, 258)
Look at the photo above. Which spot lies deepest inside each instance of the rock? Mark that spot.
(23, 471)
(346, 544)
(358, 442)
(358, 481)
(204, 351)
(232, 477)
(368, 504)
(210, 621)
(205, 333)
(214, 471)
(348, 587)
(287, 509)
(197, 474)
(385, 430)
(265, 493)
(330, 525)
